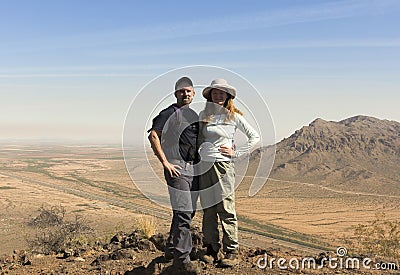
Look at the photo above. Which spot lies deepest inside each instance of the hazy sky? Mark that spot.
(70, 69)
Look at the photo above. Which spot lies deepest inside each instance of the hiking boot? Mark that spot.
(168, 256)
(231, 259)
(186, 268)
(211, 255)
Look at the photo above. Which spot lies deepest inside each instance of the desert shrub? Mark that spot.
(380, 237)
(53, 234)
(147, 225)
(48, 217)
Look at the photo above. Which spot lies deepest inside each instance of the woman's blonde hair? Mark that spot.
(209, 110)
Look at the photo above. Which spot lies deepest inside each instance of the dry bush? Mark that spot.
(147, 225)
(53, 234)
(48, 217)
(381, 237)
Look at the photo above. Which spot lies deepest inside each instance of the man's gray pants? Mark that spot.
(183, 202)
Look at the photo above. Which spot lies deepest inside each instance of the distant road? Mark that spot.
(329, 189)
(85, 194)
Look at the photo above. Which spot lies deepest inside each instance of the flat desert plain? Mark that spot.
(92, 181)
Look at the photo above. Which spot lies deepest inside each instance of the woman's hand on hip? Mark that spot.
(227, 151)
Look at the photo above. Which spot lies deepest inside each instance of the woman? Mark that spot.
(218, 123)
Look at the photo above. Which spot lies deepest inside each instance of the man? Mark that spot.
(173, 138)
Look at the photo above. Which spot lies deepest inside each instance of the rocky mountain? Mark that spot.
(359, 154)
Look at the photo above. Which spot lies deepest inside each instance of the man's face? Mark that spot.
(184, 96)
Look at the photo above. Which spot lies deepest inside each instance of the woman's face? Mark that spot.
(218, 96)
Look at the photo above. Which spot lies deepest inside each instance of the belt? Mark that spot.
(186, 165)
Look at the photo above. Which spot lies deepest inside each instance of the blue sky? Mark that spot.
(70, 69)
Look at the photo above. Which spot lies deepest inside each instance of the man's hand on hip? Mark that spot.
(172, 169)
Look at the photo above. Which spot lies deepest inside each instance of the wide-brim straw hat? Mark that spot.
(220, 84)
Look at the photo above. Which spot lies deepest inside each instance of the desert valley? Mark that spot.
(327, 178)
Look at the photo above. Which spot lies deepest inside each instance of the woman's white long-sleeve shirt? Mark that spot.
(218, 132)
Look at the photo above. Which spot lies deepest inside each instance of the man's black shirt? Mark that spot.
(179, 128)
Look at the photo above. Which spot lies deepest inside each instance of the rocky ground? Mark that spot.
(132, 253)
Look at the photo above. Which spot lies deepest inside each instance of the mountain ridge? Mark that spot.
(358, 154)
